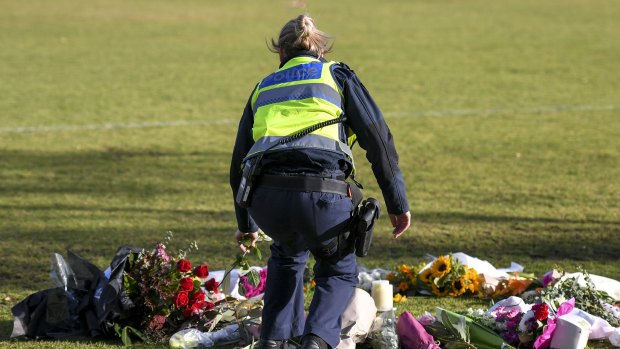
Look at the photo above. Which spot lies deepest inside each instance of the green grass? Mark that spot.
(461, 83)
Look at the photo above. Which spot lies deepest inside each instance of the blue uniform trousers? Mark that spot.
(297, 222)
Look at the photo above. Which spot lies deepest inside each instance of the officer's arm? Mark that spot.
(243, 143)
(373, 134)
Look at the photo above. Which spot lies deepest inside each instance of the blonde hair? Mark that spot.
(302, 34)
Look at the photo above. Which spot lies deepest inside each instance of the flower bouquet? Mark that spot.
(168, 294)
(446, 276)
(405, 278)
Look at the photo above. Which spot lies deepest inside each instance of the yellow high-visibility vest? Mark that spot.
(300, 94)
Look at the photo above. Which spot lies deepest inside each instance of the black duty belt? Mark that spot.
(305, 183)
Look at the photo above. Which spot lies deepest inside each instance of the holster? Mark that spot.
(251, 169)
(362, 225)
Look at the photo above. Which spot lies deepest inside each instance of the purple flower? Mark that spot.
(510, 337)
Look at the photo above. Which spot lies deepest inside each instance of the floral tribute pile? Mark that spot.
(527, 314)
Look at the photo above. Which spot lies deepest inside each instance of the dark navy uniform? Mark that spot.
(300, 221)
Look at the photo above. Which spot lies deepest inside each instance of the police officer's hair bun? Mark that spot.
(301, 34)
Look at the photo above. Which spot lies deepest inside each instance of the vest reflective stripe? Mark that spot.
(308, 141)
(297, 92)
(300, 94)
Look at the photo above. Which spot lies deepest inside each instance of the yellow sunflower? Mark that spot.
(474, 280)
(426, 275)
(440, 292)
(458, 287)
(441, 266)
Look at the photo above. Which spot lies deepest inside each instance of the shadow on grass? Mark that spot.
(130, 173)
(506, 238)
(461, 217)
(6, 328)
(206, 214)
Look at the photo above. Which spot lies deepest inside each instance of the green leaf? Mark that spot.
(242, 289)
(229, 316)
(136, 333)
(129, 284)
(258, 252)
(125, 337)
(117, 329)
(253, 277)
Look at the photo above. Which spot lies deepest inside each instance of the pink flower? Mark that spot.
(160, 251)
(157, 323)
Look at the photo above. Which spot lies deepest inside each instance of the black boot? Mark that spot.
(311, 341)
(271, 344)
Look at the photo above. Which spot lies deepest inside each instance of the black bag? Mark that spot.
(61, 312)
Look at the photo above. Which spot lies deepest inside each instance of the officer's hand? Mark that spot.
(246, 241)
(400, 222)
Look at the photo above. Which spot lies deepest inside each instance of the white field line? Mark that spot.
(436, 113)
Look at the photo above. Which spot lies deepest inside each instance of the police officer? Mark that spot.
(300, 198)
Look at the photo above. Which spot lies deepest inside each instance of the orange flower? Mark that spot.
(403, 286)
(390, 276)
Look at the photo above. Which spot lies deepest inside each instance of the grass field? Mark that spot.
(117, 121)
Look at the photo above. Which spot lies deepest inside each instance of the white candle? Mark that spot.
(382, 294)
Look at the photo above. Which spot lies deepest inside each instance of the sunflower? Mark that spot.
(474, 280)
(458, 287)
(441, 266)
(440, 291)
(426, 275)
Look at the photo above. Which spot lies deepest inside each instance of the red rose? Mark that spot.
(190, 311)
(202, 271)
(541, 311)
(196, 308)
(212, 285)
(198, 297)
(208, 305)
(182, 299)
(187, 284)
(184, 266)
